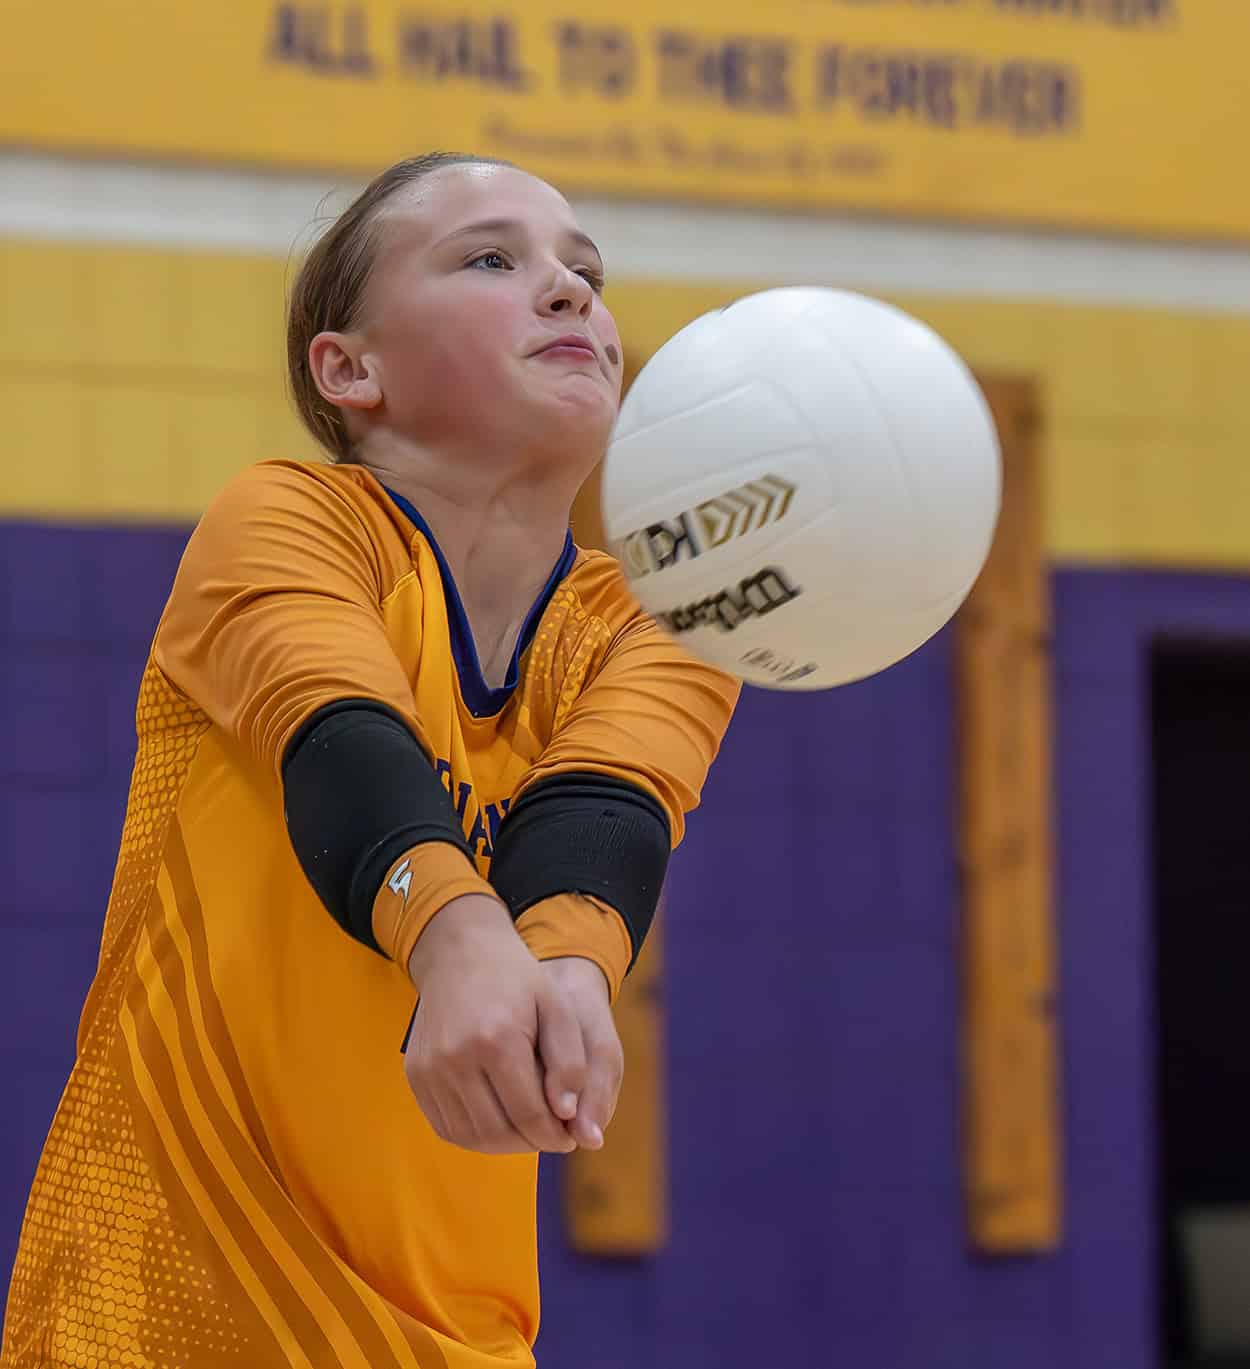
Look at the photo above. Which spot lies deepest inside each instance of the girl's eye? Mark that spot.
(491, 261)
(593, 278)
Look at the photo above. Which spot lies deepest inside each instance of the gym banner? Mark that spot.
(1125, 115)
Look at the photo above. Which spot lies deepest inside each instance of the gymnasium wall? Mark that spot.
(144, 377)
(811, 971)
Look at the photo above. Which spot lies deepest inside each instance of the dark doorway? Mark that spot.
(1201, 726)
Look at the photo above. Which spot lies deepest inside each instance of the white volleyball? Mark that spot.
(803, 486)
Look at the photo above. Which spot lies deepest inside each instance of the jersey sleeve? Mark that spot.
(579, 925)
(276, 611)
(653, 716)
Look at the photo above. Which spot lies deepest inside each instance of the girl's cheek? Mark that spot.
(605, 326)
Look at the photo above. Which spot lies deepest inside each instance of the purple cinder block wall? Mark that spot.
(812, 988)
(77, 609)
(812, 996)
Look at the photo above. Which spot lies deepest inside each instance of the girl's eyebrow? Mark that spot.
(512, 225)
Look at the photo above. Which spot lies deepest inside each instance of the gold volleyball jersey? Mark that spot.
(238, 1173)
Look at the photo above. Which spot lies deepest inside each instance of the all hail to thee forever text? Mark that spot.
(680, 68)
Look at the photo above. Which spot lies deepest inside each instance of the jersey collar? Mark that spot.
(480, 699)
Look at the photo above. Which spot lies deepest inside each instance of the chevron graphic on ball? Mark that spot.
(709, 524)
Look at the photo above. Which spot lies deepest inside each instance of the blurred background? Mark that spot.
(941, 1058)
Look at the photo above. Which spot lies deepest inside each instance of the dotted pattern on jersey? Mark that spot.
(102, 1278)
(567, 646)
(578, 646)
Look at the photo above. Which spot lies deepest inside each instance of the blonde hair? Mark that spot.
(330, 286)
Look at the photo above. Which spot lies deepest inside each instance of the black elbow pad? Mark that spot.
(586, 834)
(359, 792)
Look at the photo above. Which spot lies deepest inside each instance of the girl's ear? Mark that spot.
(342, 372)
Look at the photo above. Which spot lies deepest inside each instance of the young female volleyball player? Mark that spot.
(396, 730)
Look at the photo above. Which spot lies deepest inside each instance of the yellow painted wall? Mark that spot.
(133, 382)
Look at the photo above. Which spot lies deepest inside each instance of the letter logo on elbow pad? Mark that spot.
(401, 878)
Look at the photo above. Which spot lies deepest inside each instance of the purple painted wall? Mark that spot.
(77, 609)
(813, 999)
(812, 984)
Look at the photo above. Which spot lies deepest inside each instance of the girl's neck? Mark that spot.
(500, 544)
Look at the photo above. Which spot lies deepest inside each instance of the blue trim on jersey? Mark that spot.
(483, 701)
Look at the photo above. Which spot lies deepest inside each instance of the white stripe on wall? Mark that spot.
(252, 211)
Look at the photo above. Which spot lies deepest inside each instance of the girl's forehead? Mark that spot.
(455, 196)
